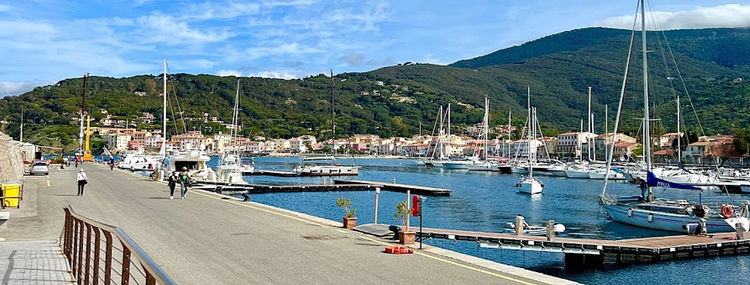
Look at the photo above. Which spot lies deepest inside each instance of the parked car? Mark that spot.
(40, 167)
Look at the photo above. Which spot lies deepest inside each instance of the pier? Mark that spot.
(277, 173)
(415, 189)
(263, 189)
(596, 253)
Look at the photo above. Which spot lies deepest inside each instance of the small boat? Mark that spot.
(528, 230)
(530, 185)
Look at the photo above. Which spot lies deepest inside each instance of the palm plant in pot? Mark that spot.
(405, 235)
(349, 220)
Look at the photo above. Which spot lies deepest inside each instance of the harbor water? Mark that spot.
(484, 201)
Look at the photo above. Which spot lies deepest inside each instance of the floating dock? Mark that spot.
(260, 172)
(231, 189)
(587, 253)
(415, 189)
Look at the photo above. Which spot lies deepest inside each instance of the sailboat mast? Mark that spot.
(21, 137)
(679, 136)
(580, 147)
(486, 124)
(606, 131)
(83, 106)
(333, 122)
(593, 139)
(531, 124)
(647, 122)
(163, 149)
(588, 136)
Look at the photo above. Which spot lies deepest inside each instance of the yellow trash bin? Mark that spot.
(12, 189)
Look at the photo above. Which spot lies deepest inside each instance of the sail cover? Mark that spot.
(652, 181)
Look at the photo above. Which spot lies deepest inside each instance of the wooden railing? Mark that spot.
(99, 253)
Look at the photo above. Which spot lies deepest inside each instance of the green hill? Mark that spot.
(394, 100)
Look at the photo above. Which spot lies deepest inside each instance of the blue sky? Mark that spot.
(42, 42)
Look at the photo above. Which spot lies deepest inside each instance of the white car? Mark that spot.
(40, 168)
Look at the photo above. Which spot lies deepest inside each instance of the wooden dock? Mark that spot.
(415, 189)
(262, 172)
(233, 189)
(586, 253)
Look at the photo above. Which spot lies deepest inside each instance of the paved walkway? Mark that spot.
(33, 262)
(209, 239)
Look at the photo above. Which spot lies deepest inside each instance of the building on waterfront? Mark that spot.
(573, 144)
(118, 142)
(603, 142)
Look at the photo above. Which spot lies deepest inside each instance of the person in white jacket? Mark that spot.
(82, 181)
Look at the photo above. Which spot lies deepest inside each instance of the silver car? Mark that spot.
(40, 168)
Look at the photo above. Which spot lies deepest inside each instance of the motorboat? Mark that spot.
(195, 161)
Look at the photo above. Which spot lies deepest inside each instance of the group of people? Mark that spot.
(181, 177)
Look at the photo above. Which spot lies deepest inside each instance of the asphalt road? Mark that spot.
(205, 239)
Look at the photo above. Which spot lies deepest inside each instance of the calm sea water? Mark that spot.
(486, 201)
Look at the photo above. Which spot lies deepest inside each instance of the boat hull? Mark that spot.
(530, 186)
(661, 221)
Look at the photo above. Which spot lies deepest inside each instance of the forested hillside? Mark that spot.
(393, 101)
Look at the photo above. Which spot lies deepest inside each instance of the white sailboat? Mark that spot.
(194, 160)
(230, 168)
(530, 185)
(647, 211)
(484, 164)
(333, 169)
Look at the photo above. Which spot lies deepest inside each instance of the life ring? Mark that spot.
(727, 211)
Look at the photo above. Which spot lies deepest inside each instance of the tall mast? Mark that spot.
(606, 131)
(531, 125)
(646, 119)
(236, 112)
(588, 138)
(163, 150)
(486, 123)
(333, 122)
(679, 136)
(83, 106)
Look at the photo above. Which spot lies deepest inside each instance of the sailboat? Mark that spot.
(230, 168)
(438, 157)
(333, 169)
(484, 164)
(646, 210)
(194, 160)
(530, 185)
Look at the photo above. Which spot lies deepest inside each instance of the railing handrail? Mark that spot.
(148, 264)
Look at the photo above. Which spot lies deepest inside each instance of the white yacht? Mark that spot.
(195, 161)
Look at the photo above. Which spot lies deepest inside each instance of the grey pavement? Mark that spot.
(209, 239)
(33, 262)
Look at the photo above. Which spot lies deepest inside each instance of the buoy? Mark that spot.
(727, 211)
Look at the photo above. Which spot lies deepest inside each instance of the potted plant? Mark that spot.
(349, 220)
(405, 235)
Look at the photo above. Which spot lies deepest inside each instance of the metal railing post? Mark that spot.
(97, 248)
(150, 280)
(108, 258)
(125, 264)
(73, 236)
(88, 255)
(80, 252)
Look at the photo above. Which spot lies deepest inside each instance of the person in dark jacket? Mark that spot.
(172, 182)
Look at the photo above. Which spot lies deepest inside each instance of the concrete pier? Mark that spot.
(209, 238)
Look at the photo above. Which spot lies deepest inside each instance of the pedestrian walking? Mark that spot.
(184, 182)
(112, 164)
(82, 181)
(172, 182)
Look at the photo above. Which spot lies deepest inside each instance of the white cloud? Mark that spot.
(170, 30)
(353, 58)
(274, 74)
(722, 16)
(15, 87)
(229, 72)
(4, 8)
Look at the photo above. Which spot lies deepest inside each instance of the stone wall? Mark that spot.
(11, 160)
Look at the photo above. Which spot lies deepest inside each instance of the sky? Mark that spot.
(42, 41)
